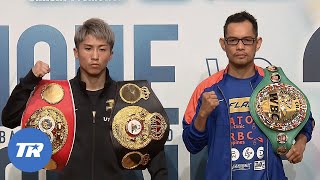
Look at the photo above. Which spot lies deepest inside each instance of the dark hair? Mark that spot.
(97, 28)
(241, 17)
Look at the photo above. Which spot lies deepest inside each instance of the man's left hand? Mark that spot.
(295, 154)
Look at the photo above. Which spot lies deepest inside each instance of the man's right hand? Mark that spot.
(209, 103)
(40, 69)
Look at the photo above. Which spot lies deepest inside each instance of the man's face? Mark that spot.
(241, 54)
(94, 55)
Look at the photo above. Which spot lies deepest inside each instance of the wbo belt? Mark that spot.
(140, 126)
(50, 109)
(279, 108)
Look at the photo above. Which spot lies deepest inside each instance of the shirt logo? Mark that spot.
(105, 119)
(248, 153)
(235, 154)
(239, 104)
(29, 150)
(241, 167)
(259, 165)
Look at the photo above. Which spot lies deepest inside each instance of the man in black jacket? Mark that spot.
(92, 157)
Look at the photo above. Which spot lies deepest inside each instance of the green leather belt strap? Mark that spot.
(279, 108)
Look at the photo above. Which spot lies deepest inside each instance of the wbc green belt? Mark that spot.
(279, 108)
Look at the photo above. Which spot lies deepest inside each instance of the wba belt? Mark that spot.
(279, 108)
(140, 126)
(50, 109)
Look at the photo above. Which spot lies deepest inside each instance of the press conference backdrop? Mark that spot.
(173, 44)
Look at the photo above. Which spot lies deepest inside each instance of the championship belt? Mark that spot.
(279, 108)
(140, 126)
(50, 109)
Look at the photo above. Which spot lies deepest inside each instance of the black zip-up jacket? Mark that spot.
(92, 157)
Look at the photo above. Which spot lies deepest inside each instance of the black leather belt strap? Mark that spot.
(140, 125)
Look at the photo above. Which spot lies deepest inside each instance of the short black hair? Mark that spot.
(241, 17)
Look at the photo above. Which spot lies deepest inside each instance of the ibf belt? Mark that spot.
(140, 126)
(279, 108)
(50, 109)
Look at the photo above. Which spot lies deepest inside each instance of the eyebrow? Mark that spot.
(241, 38)
(98, 45)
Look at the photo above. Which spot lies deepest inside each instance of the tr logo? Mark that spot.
(29, 149)
(32, 149)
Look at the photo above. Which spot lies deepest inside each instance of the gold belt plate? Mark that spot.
(131, 93)
(52, 122)
(134, 127)
(52, 93)
(281, 106)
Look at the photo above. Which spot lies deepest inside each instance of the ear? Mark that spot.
(222, 43)
(110, 57)
(75, 53)
(259, 42)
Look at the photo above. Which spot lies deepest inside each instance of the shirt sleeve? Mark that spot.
(158, 167)
(16, 104)
(308, 128)
(193, 139)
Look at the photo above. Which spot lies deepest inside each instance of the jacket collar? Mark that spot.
(255, 81)
(83, 84)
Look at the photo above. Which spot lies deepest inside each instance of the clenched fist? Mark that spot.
(209, 103)
(40, 69)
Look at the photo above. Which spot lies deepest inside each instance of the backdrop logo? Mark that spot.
(29, 150)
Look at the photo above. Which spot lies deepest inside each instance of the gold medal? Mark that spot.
(130, 127)
(134, 127)
(281, 106)
(52, 122)
(131, 93)
(282, 138)
(52, 93)
(275, 77)
(133, 159)
(282, 150)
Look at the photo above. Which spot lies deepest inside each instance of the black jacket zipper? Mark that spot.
(93, 143)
